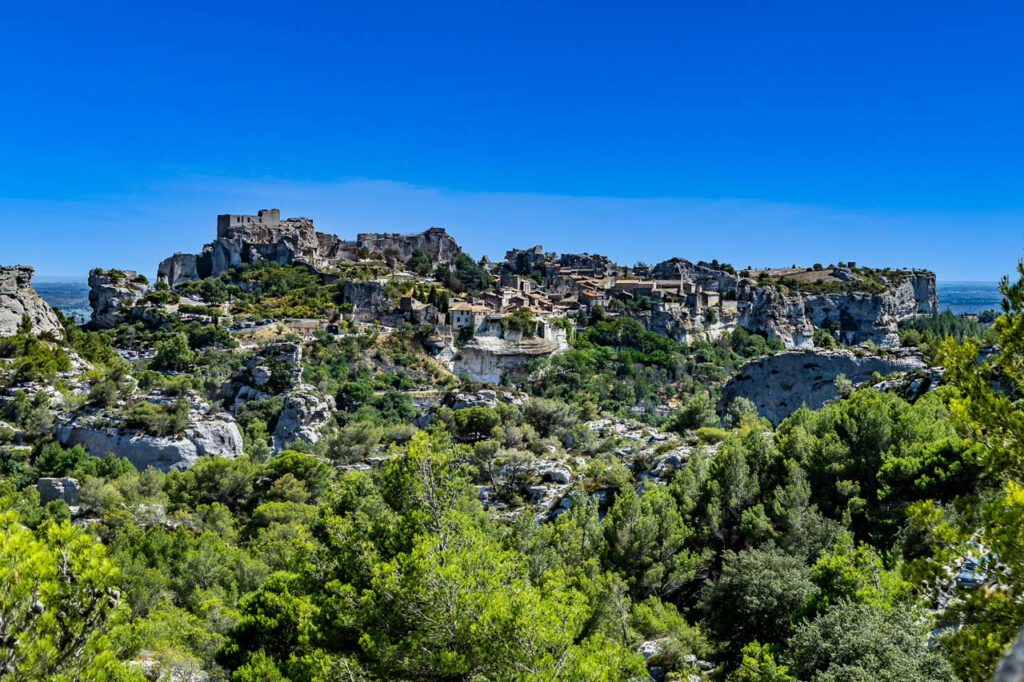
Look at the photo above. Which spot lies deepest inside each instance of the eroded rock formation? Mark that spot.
(217, 435)
(779, 384)
(112, 295)
(305, 416)
(852, 316)
(246, 239)
(270, 371)
(488, 358)
(18, 299)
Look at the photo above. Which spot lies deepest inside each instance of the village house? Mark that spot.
(464, 314)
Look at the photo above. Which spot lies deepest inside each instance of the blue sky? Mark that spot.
(758, 133)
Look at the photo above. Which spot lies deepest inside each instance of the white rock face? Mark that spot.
(18, 298)
(488, 358)
(216, 436)
(112, 296)
(779, 384)
(792, 317)
(305, 415)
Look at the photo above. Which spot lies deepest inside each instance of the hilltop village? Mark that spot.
(542, 295)
(288, 422)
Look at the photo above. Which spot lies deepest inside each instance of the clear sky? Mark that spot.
(759, 133)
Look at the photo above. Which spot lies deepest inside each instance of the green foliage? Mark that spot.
(419, 262)
(823, 338)
(463, 274)
(925, 329)
(872, 454)
(58, 592)
(474, 424)
(34, 359)
(861, 642)
(520, 321)
(174, 354)
(986, 525)
(757, 596)
(164, 419)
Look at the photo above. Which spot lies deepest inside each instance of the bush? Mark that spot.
(823, 338)
(157, 420)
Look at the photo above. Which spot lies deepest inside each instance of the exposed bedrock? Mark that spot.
(18, 299)
(779, 384)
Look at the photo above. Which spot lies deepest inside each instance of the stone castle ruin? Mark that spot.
(244, 239)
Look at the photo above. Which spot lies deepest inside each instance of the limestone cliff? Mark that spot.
(703, 274)
(214, 434)
(852, 316)
(439, 246)
(112, 294)
(779, 384)
(489, 357)
(18, 299)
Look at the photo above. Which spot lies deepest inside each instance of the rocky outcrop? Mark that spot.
(779, 384)
(305, 416)
(208, 433)
(706, 276)
(112, 295)
(682, 323)
(64, 489)
(852, 316)
(397, 248)
(366, 299)
(489, 358)
(181, 267)
(247, 239)
(270, 371)
(524, 260)
(18, 299)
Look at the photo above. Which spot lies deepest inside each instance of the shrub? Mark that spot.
(157, 420)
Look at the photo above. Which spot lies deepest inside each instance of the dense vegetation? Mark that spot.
(825, 549)
(615, 365)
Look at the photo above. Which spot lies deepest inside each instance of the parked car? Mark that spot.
(970, 575)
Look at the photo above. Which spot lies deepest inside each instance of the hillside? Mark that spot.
(294, 456)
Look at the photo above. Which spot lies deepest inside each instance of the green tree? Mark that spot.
(823, 338)
(854, 642)
(419, 262)
(645, 541)
(58, 592)
(756, 597)
(174, 353)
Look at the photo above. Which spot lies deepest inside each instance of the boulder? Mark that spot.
(482, 398)
(51, 489)
(305, 415)
(18, 299)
